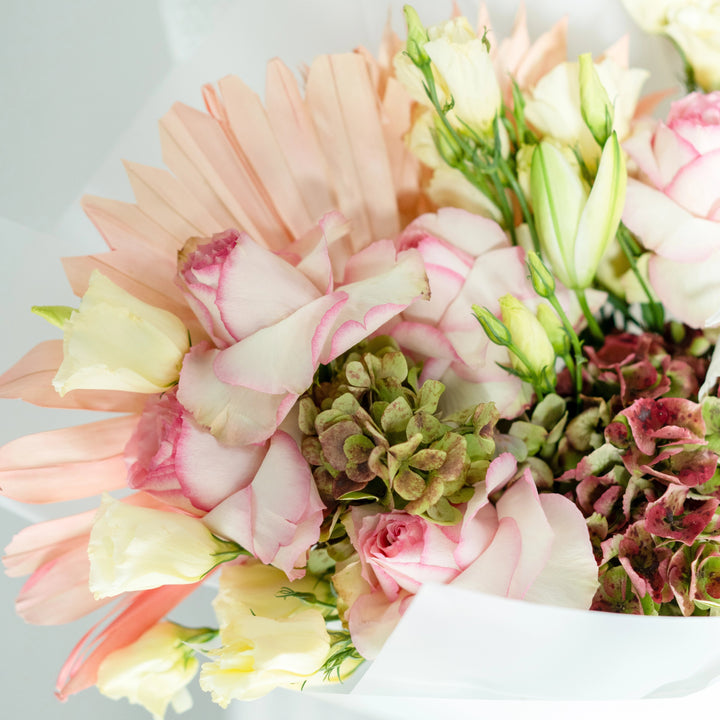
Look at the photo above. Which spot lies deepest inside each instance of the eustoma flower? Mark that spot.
(268, 640)
(674, 207)
(117, 342)
(154, 671)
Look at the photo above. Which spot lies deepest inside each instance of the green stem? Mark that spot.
(522, 201)
(626, 241)
(591, 321)
(576, 367)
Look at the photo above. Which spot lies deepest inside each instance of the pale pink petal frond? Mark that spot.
(169, 203)
(66, 464)
(199, 153)
(344, 109)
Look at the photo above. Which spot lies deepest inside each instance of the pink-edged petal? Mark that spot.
(639, 147)
(672, 153)
(66, 464)
(371, 620)
(689, 291)
(30, 379)
(281, 508)
(494, 274)
(444, 286)
(500, 472)
(370, 262)
(522, 503)
(258, 288)
(510, 395)
(234, 415)
(492, 572)
(58, 591)
(209, 472)
(703, 136)
(134, 616)
(570, 575)
(375, 300)
(479, 526)
(283, 357)
(417, 337)
(665, 227)
(466, 231)
(695, 187)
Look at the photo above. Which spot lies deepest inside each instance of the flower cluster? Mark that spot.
(406, 327)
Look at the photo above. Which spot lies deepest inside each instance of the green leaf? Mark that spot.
(56, 315)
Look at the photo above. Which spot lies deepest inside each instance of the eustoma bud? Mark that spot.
(575, 227)
(595, 105)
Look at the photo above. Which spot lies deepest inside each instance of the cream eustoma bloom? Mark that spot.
(116, 342)
(463, 70)
(554, 108)
(154, 671)
(137, 548)
(694, 25)
(267, 641)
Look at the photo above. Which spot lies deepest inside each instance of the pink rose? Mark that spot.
(526, 545)
(675, 207)
(276, 318)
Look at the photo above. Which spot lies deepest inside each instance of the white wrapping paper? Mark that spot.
(455, 655)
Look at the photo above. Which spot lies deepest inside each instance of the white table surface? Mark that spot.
(82, 85)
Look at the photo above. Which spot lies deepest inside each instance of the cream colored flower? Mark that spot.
(154, 671)
(136, 548)
(116, 342)
(694, 25)
(462, 70)
(267, 641)
(462, 60)
(553, 106)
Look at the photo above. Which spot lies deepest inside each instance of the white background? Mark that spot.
(82, 84)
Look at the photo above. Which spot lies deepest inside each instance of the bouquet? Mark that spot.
(437, 317)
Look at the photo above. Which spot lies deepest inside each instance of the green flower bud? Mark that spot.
(417, 37)
(494, 328)
(542, 279)
(529, 339)
(554, 328)
(595, 105)
(575, 228)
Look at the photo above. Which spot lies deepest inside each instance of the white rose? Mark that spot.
(154, 671)
(116, 342)
(136, 548)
